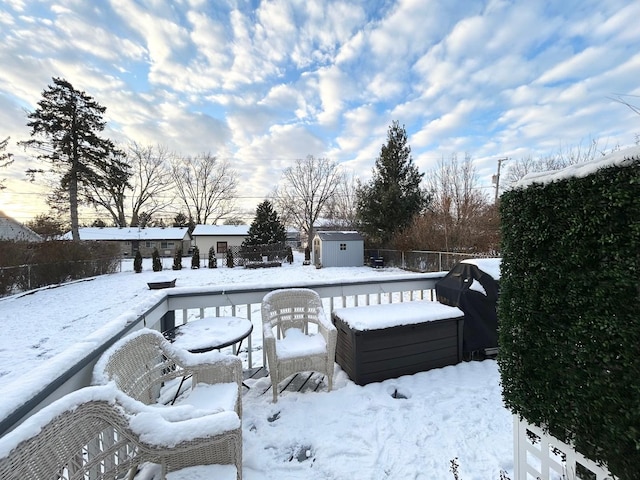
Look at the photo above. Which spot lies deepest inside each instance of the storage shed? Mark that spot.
(338, 249)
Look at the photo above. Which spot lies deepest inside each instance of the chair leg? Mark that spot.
(274, 387)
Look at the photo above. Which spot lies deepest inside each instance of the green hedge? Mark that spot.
(569, 312)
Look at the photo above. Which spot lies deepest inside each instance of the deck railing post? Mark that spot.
(168, 321)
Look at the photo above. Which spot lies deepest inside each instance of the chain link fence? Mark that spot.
(418, 260)
(21, 278)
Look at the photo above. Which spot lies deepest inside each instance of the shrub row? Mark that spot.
(569, 324)
(26, 266)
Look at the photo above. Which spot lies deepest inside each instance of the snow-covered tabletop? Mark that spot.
(375, 317)
(210, 333)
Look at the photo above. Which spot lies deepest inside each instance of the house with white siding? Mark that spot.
(221, 237)
(132, 239)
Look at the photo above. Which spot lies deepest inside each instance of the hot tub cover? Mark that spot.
(473, 286)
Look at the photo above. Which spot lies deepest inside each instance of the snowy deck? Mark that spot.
(258, 378)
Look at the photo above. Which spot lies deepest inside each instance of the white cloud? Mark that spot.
(584, 63)
(333, 86)
(265, 82)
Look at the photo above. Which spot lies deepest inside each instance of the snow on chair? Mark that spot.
(149, 369)
(100, 433)
(291, 346)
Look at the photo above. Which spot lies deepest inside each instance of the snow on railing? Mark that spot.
(538, 455)
(246, 303)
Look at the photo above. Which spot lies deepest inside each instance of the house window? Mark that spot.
(166, 245)
(149, 244)
(343, 246)
(221, 247)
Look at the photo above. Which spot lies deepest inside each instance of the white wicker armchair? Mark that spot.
(291, 346)
(149, 369)
(98, 433)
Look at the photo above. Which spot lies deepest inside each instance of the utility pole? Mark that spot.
(496, 178)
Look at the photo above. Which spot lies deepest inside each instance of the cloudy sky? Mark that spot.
(263, 83)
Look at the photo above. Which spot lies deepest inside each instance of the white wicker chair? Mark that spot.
(143, 364)
(290, 345)
(98, 433)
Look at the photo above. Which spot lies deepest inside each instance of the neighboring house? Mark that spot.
(12, 230)
(131, 239)
(220, 237)
(293, 238)
(338, 249)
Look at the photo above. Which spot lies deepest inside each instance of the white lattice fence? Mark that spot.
(538, 455)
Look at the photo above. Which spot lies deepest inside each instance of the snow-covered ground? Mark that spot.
(410, 427)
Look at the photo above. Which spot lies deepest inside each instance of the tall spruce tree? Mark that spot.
(266, 227)
(393, 196)
(65, 132)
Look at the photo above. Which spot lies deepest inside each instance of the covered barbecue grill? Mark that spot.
(473, 287)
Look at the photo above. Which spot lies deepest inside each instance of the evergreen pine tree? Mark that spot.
(65, 131)
(157, 264)
(229, 259)
(195, 259)
(137, 262)
(266, 227)
(393, 196)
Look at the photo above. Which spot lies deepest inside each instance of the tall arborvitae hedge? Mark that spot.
(137, 262)
(157, 263)
(195, 258)
(569, 312)
(177, 259)
(213, 261)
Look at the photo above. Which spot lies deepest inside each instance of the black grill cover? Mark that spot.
(475, 292)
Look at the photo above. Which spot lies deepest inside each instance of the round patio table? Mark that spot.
(210, 333)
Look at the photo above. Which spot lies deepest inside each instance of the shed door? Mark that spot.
(317, 253)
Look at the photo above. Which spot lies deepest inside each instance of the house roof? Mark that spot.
(221, 230)
(339, 236)
(10, 229)
(131, 233)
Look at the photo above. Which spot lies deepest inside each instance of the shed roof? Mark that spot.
(130, 233)
(10, 229)
(331, 236)
(221, 230)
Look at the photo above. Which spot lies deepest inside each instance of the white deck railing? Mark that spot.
(539, 455)
(179, 305)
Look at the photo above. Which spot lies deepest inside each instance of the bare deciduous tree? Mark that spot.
(205, 186)
(341, 209)
(564, 157)
(457, 201)
(151, 179)
(305, 190)
(147, 190)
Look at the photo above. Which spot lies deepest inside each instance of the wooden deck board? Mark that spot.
(300, 382)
